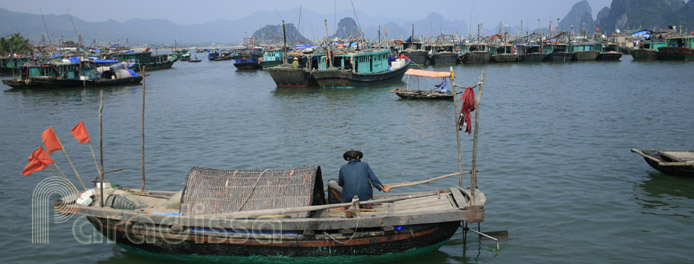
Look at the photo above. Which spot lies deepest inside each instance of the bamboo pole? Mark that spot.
(101, 147)
(408, 184)
(144, 74)
(457, 131)
(282, 211)
(473, 177)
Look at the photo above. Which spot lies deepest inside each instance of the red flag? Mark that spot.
(42, 156)
(34, 165)
(51, 140)
(80, 133)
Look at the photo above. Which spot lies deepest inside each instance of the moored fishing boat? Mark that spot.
(531, 53)
(680, 47)
(647, 49)
(609, 52)
(358, 69)
(672, 162)
(477, 53)
(415, 51)
(443, 54)
(505, 53)
(248, 60)
(151, 62)
(558, 52)
(271, 58)
(585, 51)
(75, 73)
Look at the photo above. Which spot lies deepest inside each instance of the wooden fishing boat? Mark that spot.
(358, 69)
(415, 51)
(477, 53)
(151, 62)
(672, 162)
(287, 76)
(443, 54)
(441, 92)
(558, 52)
(248, 60)
(530, 53)
(648, 49)
(505, 53)
(74, 74)
(585, 52)
(271, 58)
(678, 48)
(610, 52)
(274, 213)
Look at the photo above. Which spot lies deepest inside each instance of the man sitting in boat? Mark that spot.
(443, 87)
(357, 178)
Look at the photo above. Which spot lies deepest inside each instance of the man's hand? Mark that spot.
(385, 188)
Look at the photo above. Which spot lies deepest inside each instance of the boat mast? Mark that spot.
(284, 47)
(327, 37)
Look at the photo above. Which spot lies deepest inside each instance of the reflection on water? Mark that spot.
(663, 194)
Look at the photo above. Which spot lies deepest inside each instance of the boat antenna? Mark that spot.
(471, 10)
(357, 18)
(298, 27)
(50, 41)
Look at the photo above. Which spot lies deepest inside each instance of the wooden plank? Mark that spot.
(460, 200)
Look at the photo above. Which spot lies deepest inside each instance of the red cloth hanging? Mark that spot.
(468, 99)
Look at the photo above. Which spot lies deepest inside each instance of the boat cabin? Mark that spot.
(681, 42)
(365, 62)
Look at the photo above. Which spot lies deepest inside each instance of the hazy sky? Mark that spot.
(489, 12)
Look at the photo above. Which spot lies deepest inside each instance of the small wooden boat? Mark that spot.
(273, 213)
(442, 92)
(194, 60)
(672, 162)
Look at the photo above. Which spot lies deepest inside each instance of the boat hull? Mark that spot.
(290, 77)
(247, 66)
(644, 55)
(532, 57)
(505, 58)
(559, 57)
(609, 56)
(676, 53)
(443, 58)
(477, 57)
(423, 95)
(287, 243)
(654, 158)
(348, 79)
(588, 55)
(417, 56)
(267, 64)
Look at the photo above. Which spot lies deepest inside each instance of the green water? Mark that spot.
(553, 155)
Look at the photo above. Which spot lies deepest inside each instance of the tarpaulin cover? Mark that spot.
(430, 74)
(211, 191)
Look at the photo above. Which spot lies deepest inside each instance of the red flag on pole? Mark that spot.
(34, 165)
(50, 140)
(41, 155)
(80, 133)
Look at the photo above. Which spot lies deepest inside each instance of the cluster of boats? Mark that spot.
(64, 71)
